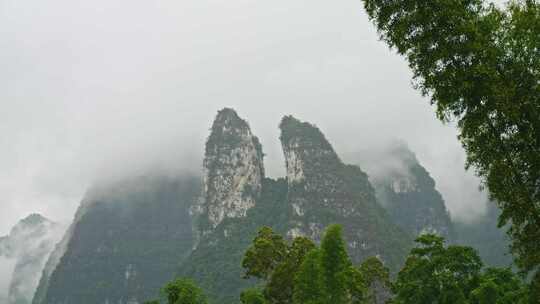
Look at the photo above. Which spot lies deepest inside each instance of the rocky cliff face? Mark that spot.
(29, 243)
(234, 204)
(323, 190)
(407, 191)
(233, 170)
(125, 243)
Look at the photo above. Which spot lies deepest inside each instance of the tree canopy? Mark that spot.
(301, 272)
(181, 291)
(480, 65)
(435, 273)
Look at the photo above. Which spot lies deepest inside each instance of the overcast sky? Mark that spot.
(93, 89)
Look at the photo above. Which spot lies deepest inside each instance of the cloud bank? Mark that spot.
(94, 90)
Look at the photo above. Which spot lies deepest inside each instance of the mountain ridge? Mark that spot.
(219, 214)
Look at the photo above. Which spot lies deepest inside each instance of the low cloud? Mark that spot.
(97, 90)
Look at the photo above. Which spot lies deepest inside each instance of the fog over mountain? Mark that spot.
(102, 89)
(23, 254)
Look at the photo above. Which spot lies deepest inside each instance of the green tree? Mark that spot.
(271, 259)
(376, 278)
(481, 67)
(252, 296)
(434, 273)
(336, 264)
(280, 286)
(309, 287)
(534, 291)
(183, 291)
(500, 286)
(301, 272)
(357, 287)
(265, 254)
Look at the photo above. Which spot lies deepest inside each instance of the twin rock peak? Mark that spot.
(321, 189)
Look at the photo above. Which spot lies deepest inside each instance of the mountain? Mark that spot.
(406, 190)
(236, 201)
(125, 242)
(322, 190)
(233, 171)
(128, 238)
(29, 244)
(318, 190)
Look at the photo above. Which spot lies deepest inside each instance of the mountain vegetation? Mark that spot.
(301, 272)
(126, 244)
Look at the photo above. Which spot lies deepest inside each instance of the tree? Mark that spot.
(183, 291)
(481, 67)
(309, 287)
(534, 291)
(335, 263)
(252, 296)
(357, 287)
(376, 278)
(265, 254)
(500, 286)
(301, 272)
(280, 286)
(434, 273)
(271, 259)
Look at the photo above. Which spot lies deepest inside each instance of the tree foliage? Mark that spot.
(435, 273)
(309, 281)
(499, 286)
(376, 278)
(265, 254)
(481, 67)
(335, 263)
(302, 272)
(280, 286)
(271, 259)
(252, 296)
(183, 291)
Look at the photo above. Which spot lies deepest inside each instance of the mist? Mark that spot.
(105, 89)
(6, 269)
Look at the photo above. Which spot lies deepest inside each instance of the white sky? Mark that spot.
(93, 89)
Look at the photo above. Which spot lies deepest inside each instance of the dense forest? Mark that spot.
(300, 272)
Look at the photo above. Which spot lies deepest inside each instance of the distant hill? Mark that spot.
(29, 245)
(406, 190)
(492, 243)
(126, 242)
